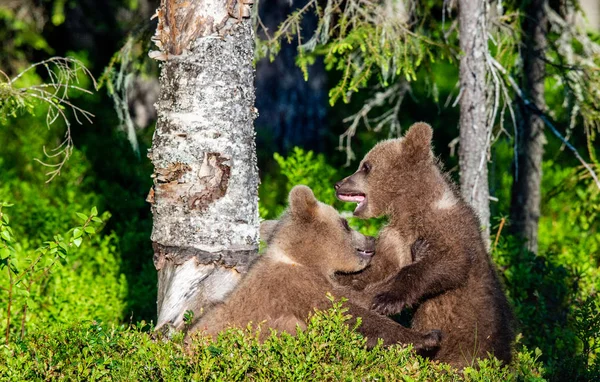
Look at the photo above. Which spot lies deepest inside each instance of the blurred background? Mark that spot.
(111, 277)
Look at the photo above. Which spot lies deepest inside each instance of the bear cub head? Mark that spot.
(313, 234)
(396, 170)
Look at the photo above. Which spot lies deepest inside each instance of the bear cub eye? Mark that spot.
(366, 167)
(345, 224)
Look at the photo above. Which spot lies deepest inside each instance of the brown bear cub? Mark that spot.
(431, 255)
(305, 248)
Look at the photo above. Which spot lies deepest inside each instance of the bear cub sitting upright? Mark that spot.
(304, 249)
(431, 254)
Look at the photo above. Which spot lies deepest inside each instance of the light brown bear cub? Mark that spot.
(431, 254)
(305, 248)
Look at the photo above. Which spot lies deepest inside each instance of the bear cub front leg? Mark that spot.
(389, 298)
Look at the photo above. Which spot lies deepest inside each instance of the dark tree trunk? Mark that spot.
(474, 129)
(526, 189)
(292, 111)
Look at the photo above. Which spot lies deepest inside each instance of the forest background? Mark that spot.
(95, 270)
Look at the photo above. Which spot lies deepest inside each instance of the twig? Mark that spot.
(10, 292)
(531, 106)
(395, 93)
(63, 77)
(502, 221)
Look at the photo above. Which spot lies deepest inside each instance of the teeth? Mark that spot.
(359, 205)
(352, 198)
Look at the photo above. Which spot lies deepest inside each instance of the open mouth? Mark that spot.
(367, 255)
(359, 198)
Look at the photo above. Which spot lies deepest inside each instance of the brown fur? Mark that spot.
(305, 248)
(432, 254)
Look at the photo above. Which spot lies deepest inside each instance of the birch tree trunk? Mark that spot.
(204, 197)
(474, 129)
(526, 188)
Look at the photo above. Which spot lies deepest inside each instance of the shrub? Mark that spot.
(555, 293)
(327, 350)
(49, 284)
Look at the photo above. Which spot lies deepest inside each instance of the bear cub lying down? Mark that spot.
(431, 254)
(305, 248)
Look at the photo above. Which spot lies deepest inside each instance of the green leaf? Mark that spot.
(96, 219)
(90, 230)
(5, 235)
(77, 232)
(77, 241)
(94, 211)
(5, 218)
(81, 216)
(62, 253)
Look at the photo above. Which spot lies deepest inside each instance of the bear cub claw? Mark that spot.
(387, 304)
(431, 340)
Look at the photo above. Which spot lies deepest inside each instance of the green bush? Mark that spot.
(327, 350)
(555, 293)
(92, 282)
(59, 280)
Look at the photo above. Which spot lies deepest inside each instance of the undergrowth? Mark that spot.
(327, 350)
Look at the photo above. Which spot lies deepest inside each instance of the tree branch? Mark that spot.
(531, 106)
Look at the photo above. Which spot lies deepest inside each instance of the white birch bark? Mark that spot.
(474, 142)
(204, 198)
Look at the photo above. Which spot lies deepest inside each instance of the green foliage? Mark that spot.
(361, 40)
(327, 350)
(25, 91)
(304, 167)
(586, 324)
(299, 167)
(21, 34)
(99, 280)
(554, 293)
(28, 270)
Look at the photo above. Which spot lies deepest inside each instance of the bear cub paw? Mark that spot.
(386, 304)
(430, 341)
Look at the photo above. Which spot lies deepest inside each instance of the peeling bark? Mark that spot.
(526, 188)
(204, 199)
(473, 150)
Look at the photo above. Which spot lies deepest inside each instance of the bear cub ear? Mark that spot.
(417, 141)
(303, 202)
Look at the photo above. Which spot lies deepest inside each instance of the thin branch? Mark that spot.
(63, 74)
(393, 94)
(531, 106)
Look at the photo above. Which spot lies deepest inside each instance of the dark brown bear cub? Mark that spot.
(305, 248)
(452, 282)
